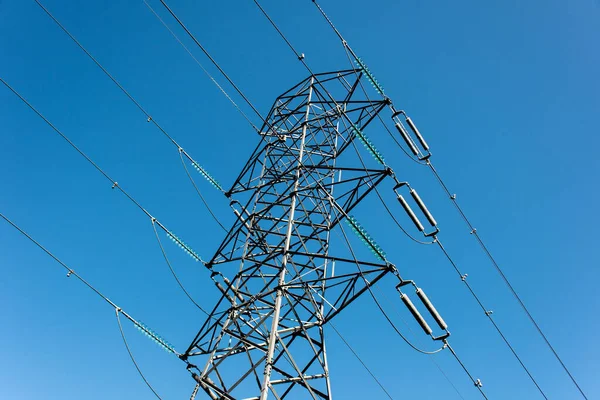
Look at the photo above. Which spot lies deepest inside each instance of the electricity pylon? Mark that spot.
(280, 280)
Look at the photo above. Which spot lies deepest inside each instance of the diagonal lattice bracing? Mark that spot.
(279, 278)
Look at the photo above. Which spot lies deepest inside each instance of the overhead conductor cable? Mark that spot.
(479, 387)
(488, 314)
(149, 118)
(115, 184)
(118, 310)
(301, 58)
(472, 229)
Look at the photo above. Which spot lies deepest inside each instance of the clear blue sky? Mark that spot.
(507, 94)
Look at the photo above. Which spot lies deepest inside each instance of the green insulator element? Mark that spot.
(206, 175)
(183, 246)
(365, 238)
(370, 76)
(155, 337)
(367, 143)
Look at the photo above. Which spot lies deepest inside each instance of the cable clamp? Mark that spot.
(115, 184)
(464, 277)
(453, 196)
(478, 383)
(473, 231)
(489, 312)
(301, 57)
(149, 118)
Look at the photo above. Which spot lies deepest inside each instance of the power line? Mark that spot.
(347, 241)
(446, 344)
(472, 229)
(212, 60)
(162, 250)
(115, 184)
(137, 104)
(133, 358)
(187, 172)
(463, 279)
(488, 314)
(112, 78)
(438, 366)
(72, 273)
(373, 185)
(235, 105)
(201, 66)
(476, 382)
(361, 361)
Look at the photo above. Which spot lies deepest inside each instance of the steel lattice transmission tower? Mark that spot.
(280, 280)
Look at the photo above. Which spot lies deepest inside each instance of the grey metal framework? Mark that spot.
(280, 280)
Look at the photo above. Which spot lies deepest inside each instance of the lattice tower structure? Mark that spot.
(280, 279)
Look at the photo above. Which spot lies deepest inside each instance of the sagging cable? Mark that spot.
(368, 144)
(118, 311)
(366, 238)
(164, 253)
(210, 211)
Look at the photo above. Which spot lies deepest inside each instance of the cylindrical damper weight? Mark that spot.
(407, 138)
(410, 213)
(413, 310)
(434, 313)
(423, 208)
(417, 133)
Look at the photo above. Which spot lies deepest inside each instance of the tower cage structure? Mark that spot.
(280, 280)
